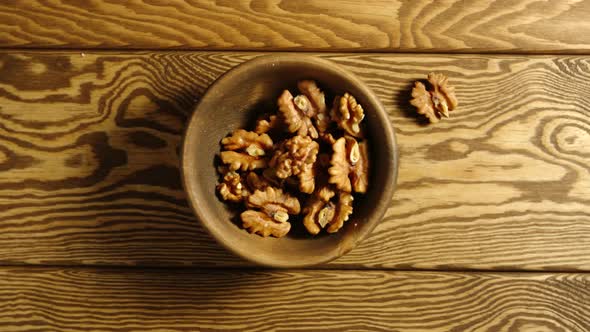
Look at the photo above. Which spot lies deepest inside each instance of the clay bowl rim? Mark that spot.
(388, 136)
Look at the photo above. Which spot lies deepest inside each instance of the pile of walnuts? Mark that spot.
(306, 160)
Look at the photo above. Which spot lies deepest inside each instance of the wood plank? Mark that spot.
(89, 161)
(389, 26)
(125, 300)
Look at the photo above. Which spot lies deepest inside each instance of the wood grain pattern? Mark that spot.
(422, 25)
(89, 161)
(124, 300)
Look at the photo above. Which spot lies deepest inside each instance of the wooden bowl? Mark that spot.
(234, 101)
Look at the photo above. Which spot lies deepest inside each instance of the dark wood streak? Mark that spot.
(14, 160)
(70, 299)
(502, 184)
(109, 158)
(162, 107)
(146, 140)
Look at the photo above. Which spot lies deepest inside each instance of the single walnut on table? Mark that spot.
(315, 157)
(437, 102)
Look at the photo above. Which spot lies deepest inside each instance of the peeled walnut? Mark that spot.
(437, 102)
(323, 210)
(319, 211)
(343, 212)
(310, 89)
(293, 155)
(232, 188)
(296, 157)
(360, 168)
(245, 150)
(257, 222)
(349, 165)
(254, 144)
(348, 114)
(275, 203)
(304, 105)
(317, 98)
(443, 95)
(297, 113)
(423, 102)
(275, 206)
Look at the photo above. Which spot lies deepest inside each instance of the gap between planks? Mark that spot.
(481, 52)
(319, 268)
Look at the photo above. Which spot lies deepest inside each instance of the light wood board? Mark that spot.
(526, 26)
(74, 299)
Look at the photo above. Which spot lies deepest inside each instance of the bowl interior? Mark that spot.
(235, 101)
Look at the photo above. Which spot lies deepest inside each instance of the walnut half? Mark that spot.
(275, 203)
(317, 98)
(254, 144)
(323, 210)
(343, 212)
(272, 200)
(245, 150)
(437, 102)
(297, 114)
(257, 222)
(319, 211)
(275, 207)
(348, 114)
(296, 157)
(350, 165)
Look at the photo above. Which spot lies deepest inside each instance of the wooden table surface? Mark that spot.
(489, 229)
